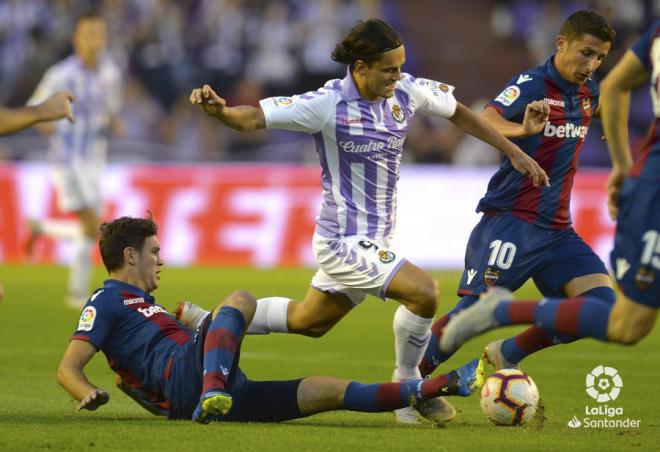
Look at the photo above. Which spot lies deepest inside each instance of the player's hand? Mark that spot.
(613, 187)
(527, 166)
(94, 399)
(210, 102)
(58, 106)
(536, 115)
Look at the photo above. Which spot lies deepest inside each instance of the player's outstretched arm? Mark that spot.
(243, 118)
(628, 74)
(57, 106)
(471, 123)
(71, 377)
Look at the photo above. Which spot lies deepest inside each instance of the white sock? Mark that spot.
(81, 268)
(62, 229)
(411, 336)
(270, 316)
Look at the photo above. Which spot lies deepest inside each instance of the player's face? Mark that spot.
(380, 78)
(148, 264)
(90, 38)
(577, 59)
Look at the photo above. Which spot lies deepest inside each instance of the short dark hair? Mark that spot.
(366, 41)
(122, 233)
(587, 22)
(92, 14)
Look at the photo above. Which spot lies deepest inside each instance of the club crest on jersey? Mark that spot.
(282, 101)
(491, 276)
(586, 104)
(644, 278)
(398, 114)
(86, 322)
(508, 96)
(386, 256)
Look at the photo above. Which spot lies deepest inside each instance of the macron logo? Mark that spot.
(622, 266)
(471, 273)
(523, 78)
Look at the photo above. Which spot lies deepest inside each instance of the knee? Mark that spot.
(242, 301)
(427, 295)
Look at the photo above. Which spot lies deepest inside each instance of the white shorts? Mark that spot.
(354, 266)
(77, 187)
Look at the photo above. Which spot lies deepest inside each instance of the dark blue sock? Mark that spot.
(433, 356)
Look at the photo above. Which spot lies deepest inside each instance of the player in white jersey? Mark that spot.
(359, 125)
(78, 151)
(57, 106)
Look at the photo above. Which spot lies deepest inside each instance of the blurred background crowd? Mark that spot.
(250, 49)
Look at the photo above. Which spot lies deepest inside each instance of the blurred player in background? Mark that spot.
(184, 374)
(57, 106)
(78, 151)
(359, 125)
(525, 231)
(633, 199)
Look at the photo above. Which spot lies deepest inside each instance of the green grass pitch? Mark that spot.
(36, 414)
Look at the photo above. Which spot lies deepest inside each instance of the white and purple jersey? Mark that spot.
(98, 96)
(359, 143)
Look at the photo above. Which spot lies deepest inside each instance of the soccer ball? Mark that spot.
(509, 397)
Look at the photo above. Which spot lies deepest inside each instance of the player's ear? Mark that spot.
(561, 43)
(129, 255)
(361, 67)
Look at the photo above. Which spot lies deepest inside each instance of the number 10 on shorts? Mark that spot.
(502, 254)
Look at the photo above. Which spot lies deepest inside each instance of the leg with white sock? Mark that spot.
(418, 294)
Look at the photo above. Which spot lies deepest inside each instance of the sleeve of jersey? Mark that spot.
(49, 85)
(305, 113)
(95, 322)
(513, 100)
(114, 98)
(431, 97)
(642, 47)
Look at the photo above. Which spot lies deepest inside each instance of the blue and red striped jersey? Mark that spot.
(556, 148)
(647, 49)
(136, 335)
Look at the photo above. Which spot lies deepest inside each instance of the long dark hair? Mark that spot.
(366, 41)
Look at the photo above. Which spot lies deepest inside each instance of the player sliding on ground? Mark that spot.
(186, 374)
(359, 125)
(634, 199)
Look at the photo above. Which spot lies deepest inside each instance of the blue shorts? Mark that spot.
(636, 254)
(506, 251)
(255, 401)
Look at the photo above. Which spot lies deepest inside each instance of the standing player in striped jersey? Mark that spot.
(525, 231)
(78, 151)
(359, 125)
(183, 374)
(634, 200)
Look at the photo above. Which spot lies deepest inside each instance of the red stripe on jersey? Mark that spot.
(652, 139)
(562, 213)
(81, 338)
(169, 327)
(526, 205)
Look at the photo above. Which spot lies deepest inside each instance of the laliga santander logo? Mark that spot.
(604, 384)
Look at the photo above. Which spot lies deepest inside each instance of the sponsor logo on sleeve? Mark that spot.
(522, 78)
(86, 322)
(508, 96)
(281, 102)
